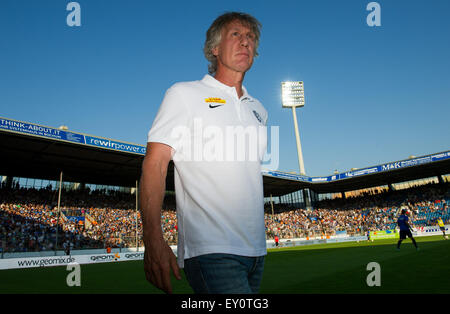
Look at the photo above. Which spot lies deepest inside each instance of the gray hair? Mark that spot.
(214, 34)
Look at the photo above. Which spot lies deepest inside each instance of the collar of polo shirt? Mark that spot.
(209, 80)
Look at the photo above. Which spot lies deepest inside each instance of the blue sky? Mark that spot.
(373, 94)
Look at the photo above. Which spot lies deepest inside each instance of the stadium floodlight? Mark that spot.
(293, 96)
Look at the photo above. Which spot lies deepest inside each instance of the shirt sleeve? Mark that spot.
(266, 117)
(171, 123)
(264, 114)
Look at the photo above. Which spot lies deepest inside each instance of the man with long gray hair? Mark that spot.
(220, 203)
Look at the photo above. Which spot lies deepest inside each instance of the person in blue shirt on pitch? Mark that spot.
(405, 229)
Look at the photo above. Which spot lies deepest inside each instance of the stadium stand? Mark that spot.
(104, 218)
(28, 217)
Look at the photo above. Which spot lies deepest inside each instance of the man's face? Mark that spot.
(237, 47)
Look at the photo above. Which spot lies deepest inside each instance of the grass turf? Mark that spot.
(315, 269)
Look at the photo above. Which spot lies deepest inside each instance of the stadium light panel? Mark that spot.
(292, 94)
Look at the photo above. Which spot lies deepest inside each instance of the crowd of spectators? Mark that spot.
(30, 220)
(362, 214)
(33, 227)
(302, 223)
(29, 217)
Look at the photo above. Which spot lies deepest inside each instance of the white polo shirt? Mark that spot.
(218, 142)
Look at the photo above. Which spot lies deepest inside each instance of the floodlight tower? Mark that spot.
(293, 96)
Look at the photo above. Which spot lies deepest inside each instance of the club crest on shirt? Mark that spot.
(257, 116)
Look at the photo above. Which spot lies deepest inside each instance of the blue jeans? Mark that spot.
(220, 273)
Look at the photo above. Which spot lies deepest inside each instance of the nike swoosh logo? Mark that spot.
(214, 106)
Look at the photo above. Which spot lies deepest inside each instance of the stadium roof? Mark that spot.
(34, 151)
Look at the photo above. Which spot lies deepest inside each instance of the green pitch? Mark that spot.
(330, 268)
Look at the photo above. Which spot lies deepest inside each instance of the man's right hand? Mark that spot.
(159, 261)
